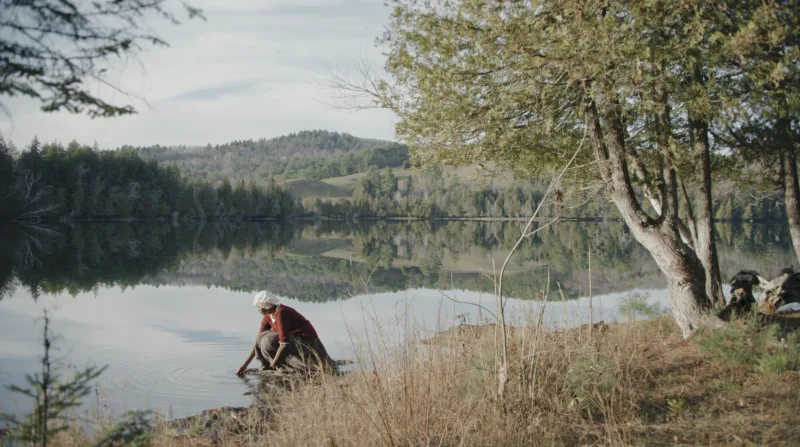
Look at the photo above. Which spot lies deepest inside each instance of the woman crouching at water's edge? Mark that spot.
(285, 339)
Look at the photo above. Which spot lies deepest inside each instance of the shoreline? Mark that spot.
(628, 383)
(637, 382)
(248, 219)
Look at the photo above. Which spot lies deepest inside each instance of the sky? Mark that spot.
(254, 69)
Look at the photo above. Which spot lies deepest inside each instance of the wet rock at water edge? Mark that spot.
(212, 426)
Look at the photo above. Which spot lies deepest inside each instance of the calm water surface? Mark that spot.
(169, 309)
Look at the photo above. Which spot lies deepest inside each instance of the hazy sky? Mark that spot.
(252, 70)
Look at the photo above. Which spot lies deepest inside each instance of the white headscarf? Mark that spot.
(264, 299)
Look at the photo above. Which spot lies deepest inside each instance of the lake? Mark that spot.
(169, 307)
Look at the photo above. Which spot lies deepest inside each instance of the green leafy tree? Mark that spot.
(523, 84)
(388, 183)
(764, 130)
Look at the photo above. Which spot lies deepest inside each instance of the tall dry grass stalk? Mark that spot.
(527, 232)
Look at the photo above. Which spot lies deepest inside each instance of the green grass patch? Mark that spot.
(751, 347)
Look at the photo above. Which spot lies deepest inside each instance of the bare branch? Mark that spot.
(359, 91)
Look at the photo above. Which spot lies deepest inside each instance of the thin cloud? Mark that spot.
(213, 92)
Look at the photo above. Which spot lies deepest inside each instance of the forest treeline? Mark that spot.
(78, 182)
(336, 260)
(320, 154)
(381, 193)
(434, 194)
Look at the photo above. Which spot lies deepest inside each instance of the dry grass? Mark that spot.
(627, 384)
(632, 384)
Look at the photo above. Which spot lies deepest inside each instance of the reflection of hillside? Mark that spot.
(470, 262)
(334, 261)
(282, 275)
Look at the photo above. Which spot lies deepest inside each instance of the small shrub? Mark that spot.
(677, 407)
(590, 381)
(637, 304)
(731, 389)
(734, 345)
(133, 430)
(55, 396)
(784, 357)
(772, 364)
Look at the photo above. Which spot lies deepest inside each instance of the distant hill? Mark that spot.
(313, 154)
(313, 164)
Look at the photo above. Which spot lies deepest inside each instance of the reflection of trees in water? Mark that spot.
(619, 262)
(6, 263)
(762, 247)
(80, 258)
(297, 261)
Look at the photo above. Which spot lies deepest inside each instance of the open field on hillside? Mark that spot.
(305, 188)
(338, 187)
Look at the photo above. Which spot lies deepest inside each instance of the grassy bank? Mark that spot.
(625, 384)
(634, 383)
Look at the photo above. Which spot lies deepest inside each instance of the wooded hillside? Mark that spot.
(315, 154)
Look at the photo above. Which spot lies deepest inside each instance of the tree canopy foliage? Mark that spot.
(507, 82)
(644, 83)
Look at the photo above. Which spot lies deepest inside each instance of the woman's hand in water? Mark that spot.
(241, 370)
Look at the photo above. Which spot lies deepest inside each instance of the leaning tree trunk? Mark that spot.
(685, 275)
(791, 187)
(661, 236)
(706, 246)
